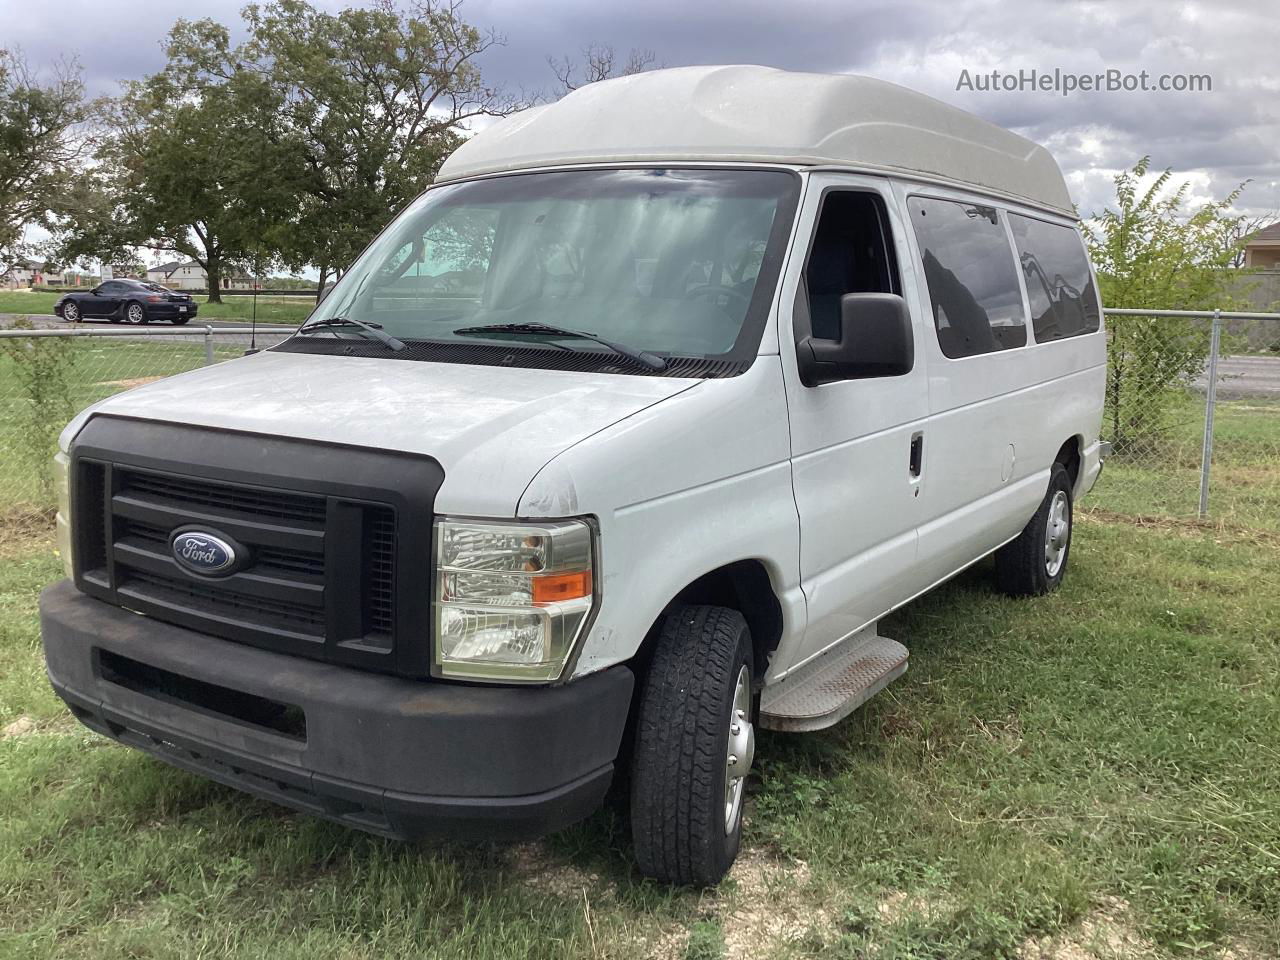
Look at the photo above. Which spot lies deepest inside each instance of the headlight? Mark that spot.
(62, 522)
(510, 598)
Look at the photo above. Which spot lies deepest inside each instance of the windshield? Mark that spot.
(671, 261)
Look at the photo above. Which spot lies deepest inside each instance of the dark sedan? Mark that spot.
(127, 301)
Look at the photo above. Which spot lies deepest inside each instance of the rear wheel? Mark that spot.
(695, 743)
(135, 312)
(1036, 561)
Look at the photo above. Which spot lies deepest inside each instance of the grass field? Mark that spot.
(1096, 773)
(1163, 479)
(270, 309)
(96, 368)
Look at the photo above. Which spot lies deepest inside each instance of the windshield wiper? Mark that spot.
(373, 329)
(643, 357)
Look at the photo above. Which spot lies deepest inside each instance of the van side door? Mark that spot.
(983, 374)
(858, 449)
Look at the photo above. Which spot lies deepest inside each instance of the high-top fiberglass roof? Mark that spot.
(746, 113)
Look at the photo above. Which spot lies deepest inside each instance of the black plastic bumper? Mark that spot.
(403, 758)
(168, 311)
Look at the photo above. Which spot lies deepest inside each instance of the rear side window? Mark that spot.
(1059, 284)
(972, 280)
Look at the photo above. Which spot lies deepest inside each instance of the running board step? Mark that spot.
(831, 687)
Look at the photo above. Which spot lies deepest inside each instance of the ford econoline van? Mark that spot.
(612, 449)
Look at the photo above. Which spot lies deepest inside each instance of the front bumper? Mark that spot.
(397, 757)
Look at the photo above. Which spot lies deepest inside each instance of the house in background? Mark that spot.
(27, 273)
(1262, 250)
(178, 275)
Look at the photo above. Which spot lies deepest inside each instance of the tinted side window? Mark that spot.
(1059, 285)
(972, 280)
(113, 288)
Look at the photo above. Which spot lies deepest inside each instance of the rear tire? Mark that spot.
(694, 747)
(179, 321)
(1036, 562)
(135, 313)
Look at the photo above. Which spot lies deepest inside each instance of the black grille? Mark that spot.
(282, 596)
(380, 562)
(331, 542)
(224, 497)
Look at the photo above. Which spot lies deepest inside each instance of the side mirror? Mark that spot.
(95, 292)
(875, 341)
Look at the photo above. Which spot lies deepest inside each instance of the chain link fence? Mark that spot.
(1192, 407)
(1193, 414)
(47, 376)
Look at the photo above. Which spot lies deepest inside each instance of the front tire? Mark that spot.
(1036, 562)
(694, 746)
(135, 313)
(71, 312)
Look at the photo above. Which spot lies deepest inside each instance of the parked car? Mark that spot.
(127, 301)
(724, 386)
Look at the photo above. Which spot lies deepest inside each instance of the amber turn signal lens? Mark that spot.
(562, 586)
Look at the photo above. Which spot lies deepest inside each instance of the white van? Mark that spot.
(614, 446)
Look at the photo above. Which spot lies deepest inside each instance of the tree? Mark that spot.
(1152, 252)
(38, 147)
(189, 167)
(372, 100)
(599, 62)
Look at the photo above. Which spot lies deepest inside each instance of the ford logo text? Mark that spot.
(203, 553)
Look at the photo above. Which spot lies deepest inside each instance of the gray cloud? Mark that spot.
(1214, 139)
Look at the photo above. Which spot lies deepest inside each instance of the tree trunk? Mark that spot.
(324, 276)
(213, 270)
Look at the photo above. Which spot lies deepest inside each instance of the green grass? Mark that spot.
(1163, 477)
(234, 307)
(98, 368)
(1098, 770)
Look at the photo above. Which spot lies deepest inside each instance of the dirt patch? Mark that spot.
(766, 902)
(25, 530)
(1107, 933)
(22, 727)
(129, 383)
(539, 870)
(26, 726)
(1188, 526)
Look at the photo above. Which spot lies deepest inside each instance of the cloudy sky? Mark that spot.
(1215, 139)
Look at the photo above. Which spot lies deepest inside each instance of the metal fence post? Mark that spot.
(208, 345)
(1210, 404)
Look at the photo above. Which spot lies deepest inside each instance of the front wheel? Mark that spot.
(695, 743)
(135, 313)
(1036, 561)
(71, 312)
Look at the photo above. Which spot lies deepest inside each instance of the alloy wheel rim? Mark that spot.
(740, 750)
(70, 312)
(135, 314)
(1057, 533)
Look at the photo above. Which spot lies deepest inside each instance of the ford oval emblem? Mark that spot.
(203, 553)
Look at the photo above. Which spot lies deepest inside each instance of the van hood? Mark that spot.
(491, 428)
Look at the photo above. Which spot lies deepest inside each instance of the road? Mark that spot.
(1248, 377)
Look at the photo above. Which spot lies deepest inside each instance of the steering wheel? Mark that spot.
(710, 291)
